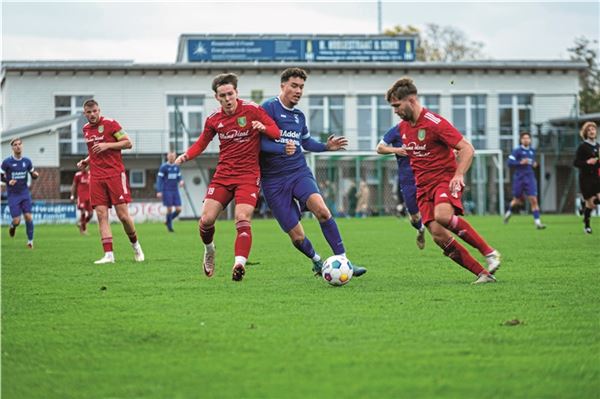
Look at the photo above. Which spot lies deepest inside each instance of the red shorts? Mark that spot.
(243, 192)
(84, 204)
(110, 191)
(435, 195)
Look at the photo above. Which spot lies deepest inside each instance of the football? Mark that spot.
(337, 270)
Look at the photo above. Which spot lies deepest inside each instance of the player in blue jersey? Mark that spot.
(16, 168)
(287, 182)
(391, 143)
(523, 161)
(168, 182)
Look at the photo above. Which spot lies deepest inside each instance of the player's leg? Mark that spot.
(535, 209)
(26, 206)
(590, 205)
(167, 202)
(176, 205)
(14, 205)
(206, 225)
(303, 244)
(410, 194)
(82, 216)
(105, 235)
(243, 239)
(122, 211)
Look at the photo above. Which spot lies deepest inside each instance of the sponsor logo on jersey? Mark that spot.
(241, 121)
(421, 134)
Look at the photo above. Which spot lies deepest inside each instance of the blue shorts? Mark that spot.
(410, 197)
(287, 197)
(171, 198)
(19, 203)
(524, 186)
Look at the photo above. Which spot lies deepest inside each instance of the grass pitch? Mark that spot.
(412, 327)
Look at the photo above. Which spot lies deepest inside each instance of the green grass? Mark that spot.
(412, 327)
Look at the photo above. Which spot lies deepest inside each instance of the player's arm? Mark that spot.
(199, 146)
(513, 158)
(122, 143)
(464, 157)
(265, 125)
(273, 147)
(34, 174)
(179, 178)
(73, 188)
(384, 148)
(159, 182)
(84, 162)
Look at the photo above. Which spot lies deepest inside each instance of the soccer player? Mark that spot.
(105, 139)
(439, 173)
(587, 160)
(288, 183)
(81, 189)
(523, 161)
(168, 182)
(15, 170)
(238, 124)
(391, 143)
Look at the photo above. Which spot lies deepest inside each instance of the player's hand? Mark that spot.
(290, 147)
(524, 161)
(35, 175)
(401, 151)
(100, 147)
(181, 184)
(72, 198)
(535, 164)
(12, 182)
(158, 195)
(258, 126)
(82, 163)
(456, 185)
(181, 159)
(591, 161)
(336, 143)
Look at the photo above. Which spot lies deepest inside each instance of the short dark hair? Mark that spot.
(403, 87)
(524, 134)
(289, 73)
(225, 79)
(90, 103)
(15, 139)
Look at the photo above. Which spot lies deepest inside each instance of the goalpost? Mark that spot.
(340, 173)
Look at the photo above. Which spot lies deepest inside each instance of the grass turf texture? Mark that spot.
(412, 327)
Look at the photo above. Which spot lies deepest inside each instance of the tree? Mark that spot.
(441, 43)
(585, 50)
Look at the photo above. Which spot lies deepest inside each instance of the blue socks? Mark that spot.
(29, 228)
(417, 225)
(333, 237)
(536, 214)
(305, 247)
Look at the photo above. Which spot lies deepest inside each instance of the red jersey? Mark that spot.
(429, 145)
(239, 145)
(107, 163)
(82, 185)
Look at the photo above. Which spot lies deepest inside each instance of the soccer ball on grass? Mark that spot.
(337, 270)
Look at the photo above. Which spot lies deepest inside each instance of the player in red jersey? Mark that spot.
(105, 139)
(430, 141)
(239, 125)
(81, 190)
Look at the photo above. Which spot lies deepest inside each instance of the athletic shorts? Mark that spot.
(171, 198)
(524, 186)
(589, 185)
(244, 192)
(84, 205)
(110, 191)
(435, 195)
(287, 197)
(19, 203)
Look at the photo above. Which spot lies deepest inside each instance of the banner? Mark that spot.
(45, 212)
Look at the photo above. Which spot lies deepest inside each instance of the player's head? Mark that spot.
(402, 96)
(292, 86)
(17, 146)
(91, 110)
(226, 93)
(171, 156)
(525, 139)
(589, 131)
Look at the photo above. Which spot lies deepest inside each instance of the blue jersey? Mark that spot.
(169, 176)
(514, 160)
(17, 169)
(292, 124)
(405, 172)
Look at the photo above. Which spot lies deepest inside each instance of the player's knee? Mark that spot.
(322, 214)
(206, 222)
(16, 221)
(443, 218)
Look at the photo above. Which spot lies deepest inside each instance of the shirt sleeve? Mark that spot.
(513, 158)
(448, 133)
(205, 138)
(118, 132)
(271, 128)
(313, 145)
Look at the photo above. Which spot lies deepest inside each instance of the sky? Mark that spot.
(148, 31)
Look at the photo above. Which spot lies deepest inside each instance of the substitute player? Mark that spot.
(238, 124)
(80, 189)
(391, 143)
(587, 160)
(288, 183)
(523, 161)
(168, 182)
(15, 169)
(105, 139)
(429, 144)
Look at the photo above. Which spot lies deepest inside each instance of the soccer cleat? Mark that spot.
(507, 218)
(209, 263)
(11, 230)
(105, 259)
(169, 227)
(540, 226)
(30, 244)
(317, 267)
(138, 254)
(493, 261)
(421, 239)
(484, 277)
(237, 273)
(587, 230)
(358, 271)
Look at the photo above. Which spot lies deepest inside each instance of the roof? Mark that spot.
(38, 127)
(569, 120)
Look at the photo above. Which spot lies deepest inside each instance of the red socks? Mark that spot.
(460, 255)
(465, 231)
(243, 241)
(207, 232)
(107, 244)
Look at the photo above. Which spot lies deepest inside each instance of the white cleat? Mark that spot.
(208, 265)
(138, 253)
(484, 278)
(493, 261)
(105, 259)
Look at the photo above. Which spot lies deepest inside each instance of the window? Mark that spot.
(515, 116)
(137, 178)
(185, 120)
(431, 102)
(70, 138)
(326, 116)
(374, 120)
(469, 117)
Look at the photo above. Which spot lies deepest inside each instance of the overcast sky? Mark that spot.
(148, 31)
